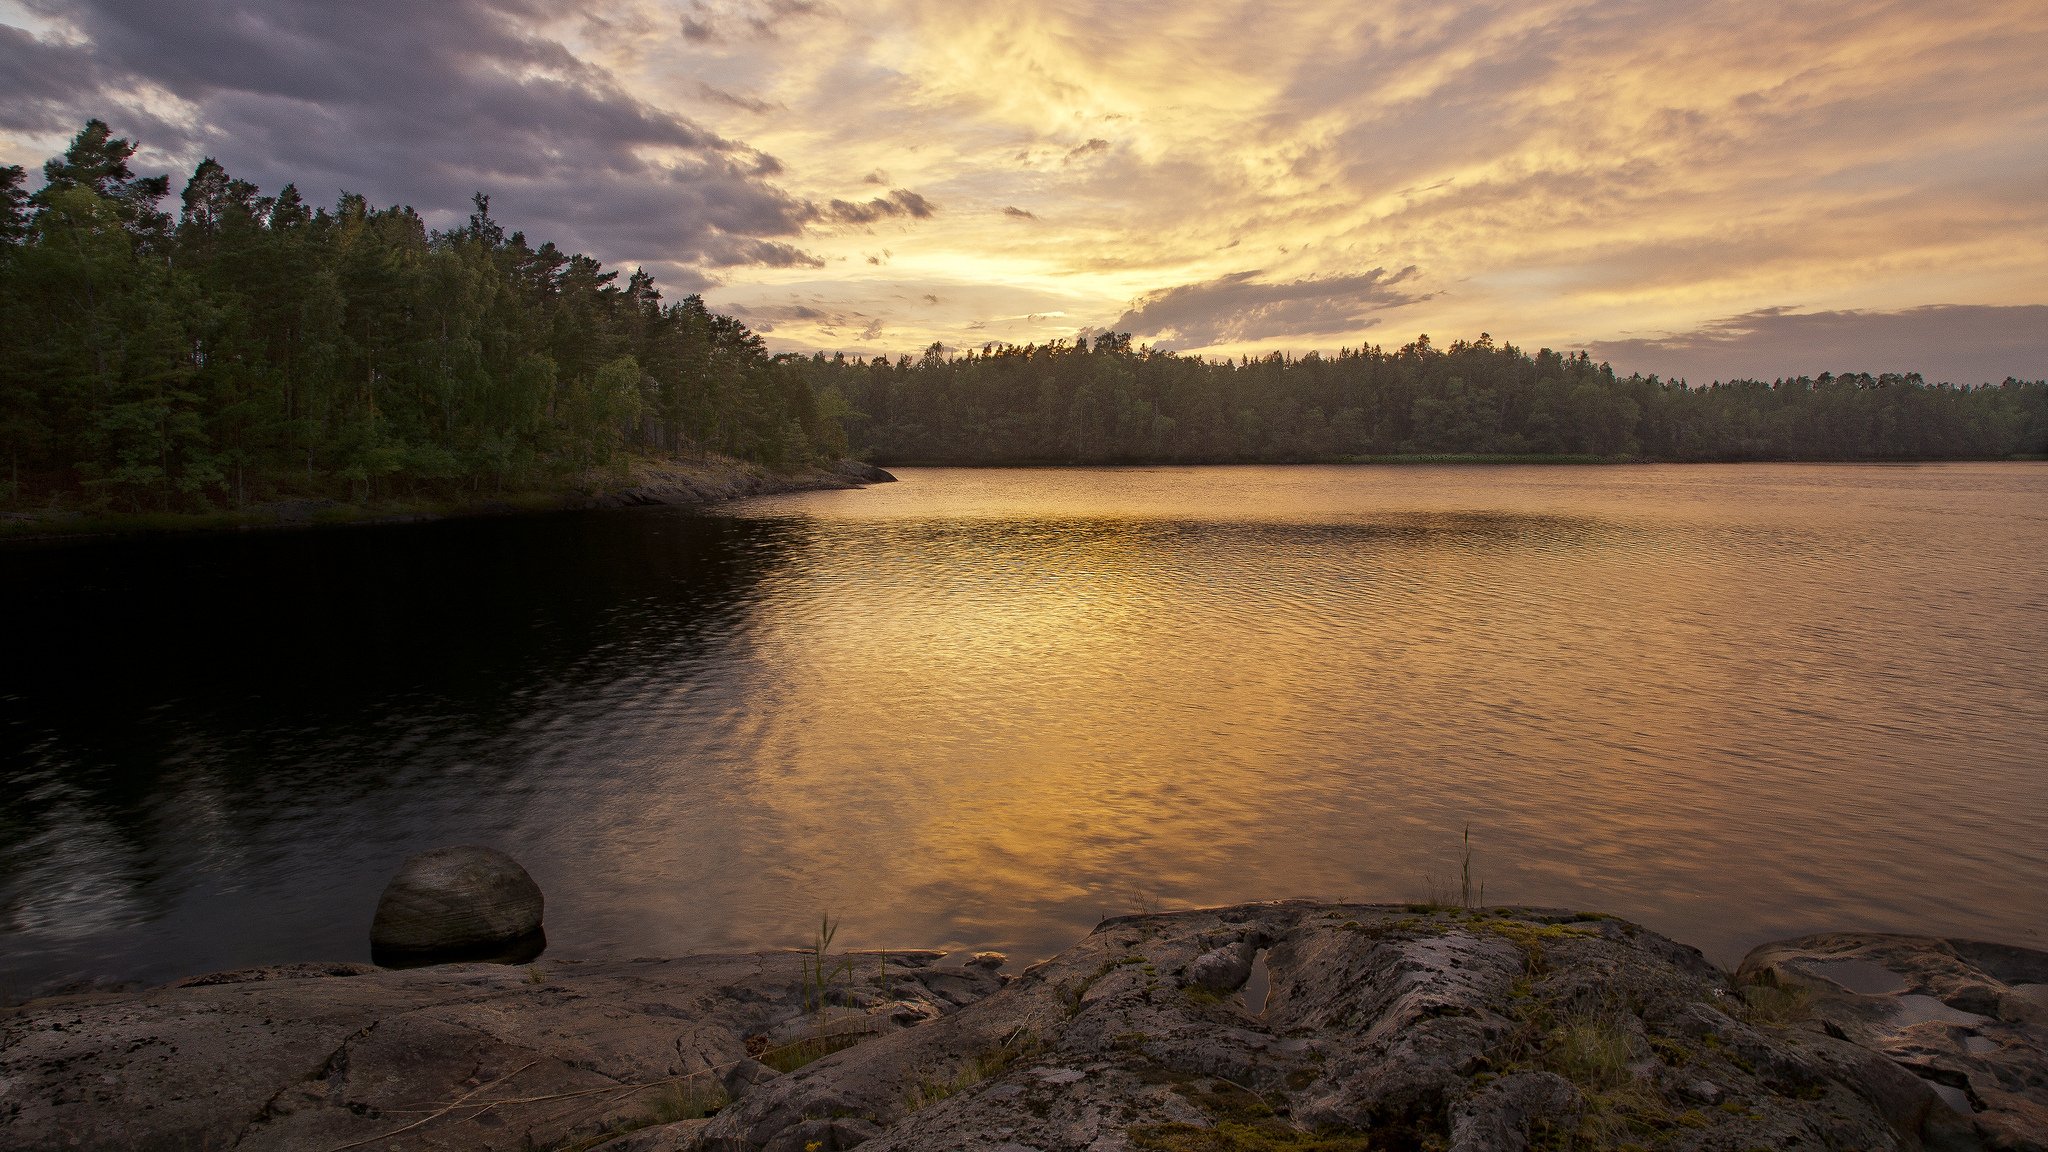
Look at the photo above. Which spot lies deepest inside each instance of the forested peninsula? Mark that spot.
(253, 348)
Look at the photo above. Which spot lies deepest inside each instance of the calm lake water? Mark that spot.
(988, 708)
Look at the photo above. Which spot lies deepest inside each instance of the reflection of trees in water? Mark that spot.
(177, 711)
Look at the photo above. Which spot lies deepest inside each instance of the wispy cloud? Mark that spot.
(1956, 344)
(1240, 308)
(1557, 172)
(900, 202)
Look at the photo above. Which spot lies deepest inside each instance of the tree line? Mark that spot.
(252, 347)
(1109, 402)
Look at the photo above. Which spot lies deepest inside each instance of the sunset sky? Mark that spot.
(1697, 189)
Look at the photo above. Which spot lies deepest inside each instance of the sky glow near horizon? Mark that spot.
(1694, 189)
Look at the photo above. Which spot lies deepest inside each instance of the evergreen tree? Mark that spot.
(259, 347)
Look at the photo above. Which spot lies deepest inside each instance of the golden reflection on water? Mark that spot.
(986, 709)
(990, 707)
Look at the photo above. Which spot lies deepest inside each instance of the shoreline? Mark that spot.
(1459, 459)
(1282, 1025)
(643, 482)
(712, 480)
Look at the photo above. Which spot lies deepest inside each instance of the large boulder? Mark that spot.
(467, 902)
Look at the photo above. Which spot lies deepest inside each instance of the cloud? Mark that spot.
(1858, 156)
(722, 21)
(1086, 150)
(1239, 308)
(1019, 213)
(900, 202)
(419, 104)
(1953, 343)
(40, 80)
(735, 251)
(735, 100)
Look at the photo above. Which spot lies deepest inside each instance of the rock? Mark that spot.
(863, 472)
(464, 902)
(741, 1077)
(1389, 1025)
(988, 960)
(909, 1012)
(291, 1059)
(827, 1135)
(1222, 970)
(1402, 1027)
(1703, 1092)
(1498, 1117)
(679, 1136)
(1956, 1014)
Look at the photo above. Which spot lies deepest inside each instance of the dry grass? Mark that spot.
(1775, 1005)
(981, 1066)
(1594, 1052)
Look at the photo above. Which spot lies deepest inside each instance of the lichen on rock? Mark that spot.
(1384, 1027)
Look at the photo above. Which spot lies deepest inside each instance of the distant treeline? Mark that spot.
(1110, 402)
(253, 347)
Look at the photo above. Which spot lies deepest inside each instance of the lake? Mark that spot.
(987, 708)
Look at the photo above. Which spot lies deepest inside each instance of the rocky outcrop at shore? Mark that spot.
(645, 481)
(672, 482)
(1260, 1027)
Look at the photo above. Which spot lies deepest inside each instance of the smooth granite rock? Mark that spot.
(1384, 1026)
(314, 1057)
(452, 902)
(1967, 1018)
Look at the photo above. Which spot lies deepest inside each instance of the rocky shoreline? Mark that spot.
(1288, 1025)
(645, 481)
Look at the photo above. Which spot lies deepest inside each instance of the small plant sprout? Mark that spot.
(1465, 876)
(818, 973)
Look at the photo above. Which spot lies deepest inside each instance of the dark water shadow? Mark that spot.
(185, 720)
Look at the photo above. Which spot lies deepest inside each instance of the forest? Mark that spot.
(1105, 403)
(254, 347)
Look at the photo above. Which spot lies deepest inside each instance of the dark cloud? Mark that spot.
(734, 251)
(768, 317)
(1239, 307)
(1086, 150)
(735, 100)
(40, 80)
(876, 177)
(412, 103)
(899, 203)
(1955, 343)
(1019, 213)
(719, 21)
